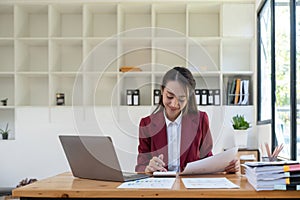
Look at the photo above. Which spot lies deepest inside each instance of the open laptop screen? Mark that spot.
(93, 157)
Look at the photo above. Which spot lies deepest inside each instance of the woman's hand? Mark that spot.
(156, 164)
(233, 167)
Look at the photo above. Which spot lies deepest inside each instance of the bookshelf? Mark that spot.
(46, 48)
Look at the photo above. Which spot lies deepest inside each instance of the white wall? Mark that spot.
(37, 153)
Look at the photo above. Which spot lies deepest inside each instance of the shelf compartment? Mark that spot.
(229, 78)
(70, 85)
(98, 16)
(32, 90)
(7, 88)
(238, 19)
(169, 52)
(207, 81)
(66, 20)
(204, 54)
(31, 21)
(171, 17)
(132, 81)
(6, 21)
(133, 17)
(100, 55)
(100, 89)
(32, 55)
(7, 56)
(65, 55)
(8, 116)
(238, 54)
(135, 53)
(204, 15)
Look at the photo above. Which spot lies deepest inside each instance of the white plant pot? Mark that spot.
(240, 138)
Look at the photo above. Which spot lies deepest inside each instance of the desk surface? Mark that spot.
(66, 186)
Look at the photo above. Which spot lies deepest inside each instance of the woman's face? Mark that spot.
(174, 99)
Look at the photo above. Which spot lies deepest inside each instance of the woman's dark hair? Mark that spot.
(186, 79)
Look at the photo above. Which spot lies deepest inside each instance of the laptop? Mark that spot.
(94, 157)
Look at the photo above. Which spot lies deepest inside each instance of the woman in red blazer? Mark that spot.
(176, 128)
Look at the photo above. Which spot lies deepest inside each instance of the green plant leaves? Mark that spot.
(239, 122)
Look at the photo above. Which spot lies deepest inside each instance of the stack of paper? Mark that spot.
(273, 175)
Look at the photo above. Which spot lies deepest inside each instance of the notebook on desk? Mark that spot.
(94, 157)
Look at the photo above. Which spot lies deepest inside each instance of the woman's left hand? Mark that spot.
(233, 167)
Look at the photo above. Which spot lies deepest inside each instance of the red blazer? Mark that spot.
(196, 139)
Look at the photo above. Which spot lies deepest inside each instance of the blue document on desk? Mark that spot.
(212, 164)
(150, 183)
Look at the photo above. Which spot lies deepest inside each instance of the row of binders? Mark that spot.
(203, 96)
(238, 92)
(278, 175)
(207, 97)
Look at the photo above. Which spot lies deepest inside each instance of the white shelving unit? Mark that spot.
(46, 48)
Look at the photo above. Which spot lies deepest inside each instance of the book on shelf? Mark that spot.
(238, 92)
(245, 93)
(231, 94)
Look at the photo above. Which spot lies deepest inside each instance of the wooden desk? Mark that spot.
(66, 186)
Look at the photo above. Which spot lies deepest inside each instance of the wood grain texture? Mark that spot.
(66, 186)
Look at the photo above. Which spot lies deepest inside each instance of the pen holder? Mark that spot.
(267, 159)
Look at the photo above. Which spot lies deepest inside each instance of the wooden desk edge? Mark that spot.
(105, 189)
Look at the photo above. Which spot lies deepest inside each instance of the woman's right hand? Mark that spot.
(156, 164)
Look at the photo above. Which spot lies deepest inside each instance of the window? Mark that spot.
(297, 30)
(264, 63)
(278, 72)
(282, 76)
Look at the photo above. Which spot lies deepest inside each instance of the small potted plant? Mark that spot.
(5, 132)
(240, 127)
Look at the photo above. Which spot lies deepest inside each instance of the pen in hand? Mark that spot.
(156, 164)
(161, 157)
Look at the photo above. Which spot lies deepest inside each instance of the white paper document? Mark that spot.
(212, 164)
(208, 183)
(150, 183)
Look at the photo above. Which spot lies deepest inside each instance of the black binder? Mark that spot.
(156, 96)
(198, 96)
(204, 96)
(216, 96)
(210, 97)
(133, 97)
